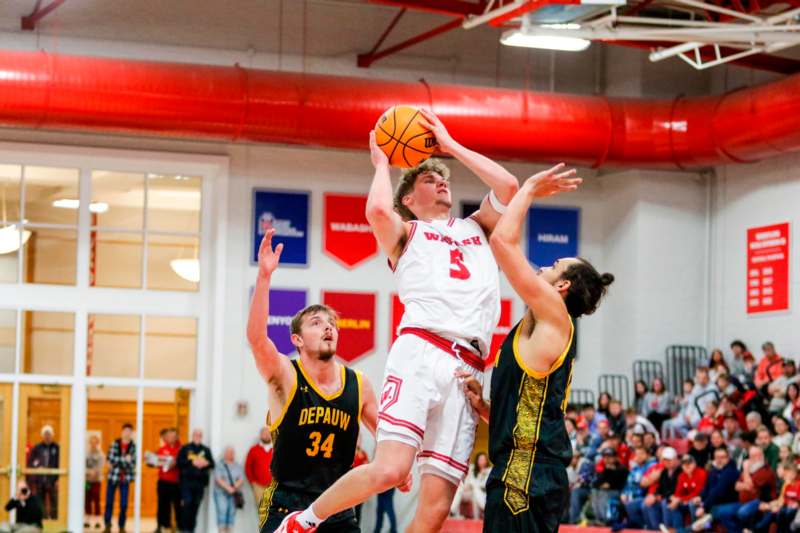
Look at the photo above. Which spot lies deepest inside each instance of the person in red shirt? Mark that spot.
(690, 484)
(783, 509)
(256, 466)
(770, 366)
(167, 488)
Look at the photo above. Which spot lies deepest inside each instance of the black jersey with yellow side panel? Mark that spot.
(526, 423)
(315, 437)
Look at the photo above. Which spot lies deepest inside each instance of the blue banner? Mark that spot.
(287, 212)
(283, 305)
(552, 234)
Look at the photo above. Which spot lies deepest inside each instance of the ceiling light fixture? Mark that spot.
(188, 269)
(529, 39)
(11, 239)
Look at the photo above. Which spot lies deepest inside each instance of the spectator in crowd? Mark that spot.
(256, 466)
(771, 452)
(634, 492)
(121, 473)
(658, 403)
(194, 464)
(681, 423)
(770, 366)
(739, 351)
(603, 403)
(783, 510)
(607, 486)
(749, 372)
(741, 452)
(710, 420)
(756, 484)
(777, 388)
(651, 442)
(592, 417)
(580, 490)
(783, 435)
(386, 507)
(639, 424)
(477, 477)
(167, 489)
(720, 488)
(730, 428)
(792, 400)
(753, 421)
(691, 482)
(45, 486)
(572, 432)
(95, 460)
(228, 481)
(665, 487)
(717, 440)
(616, 417)
(700, 449)
(28, 507)
(639, 393)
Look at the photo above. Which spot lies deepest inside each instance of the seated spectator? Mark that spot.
(691, 482)
(700, 449)
(731, 429)
(29, 510)
(665, 487)
(639, 393)
(792, 401)
(709, 422)
(651, 442)
(638, 423)
(771, 452)
(592, 417)
(717, 440)
(649, 483)
(603, 403)
(720, 488)
(717, 364)
(739, 351)
(749, 372)
(770, 366)
(608, 485)
(783, 435)
(633, 493)
(784, 509)
(777, 388)
(753, 421)
(742, 451)
(657, 404)
(756, 484)
(581, 489)
(616, 417)
(681, 423)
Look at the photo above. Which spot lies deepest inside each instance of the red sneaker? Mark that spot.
(291, 525)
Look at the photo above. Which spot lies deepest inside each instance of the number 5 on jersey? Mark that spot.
(315, 448)
(458, 269)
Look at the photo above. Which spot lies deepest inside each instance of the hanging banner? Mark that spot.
(348, 236)
(552, 234)
(283, 305)
(502, 329)
(356, 322)
(287, 212)
(396, 315)
(768, 268)
(468, 207)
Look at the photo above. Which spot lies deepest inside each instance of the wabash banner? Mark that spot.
(356, 322)
(347, 237)
(287, 213)
(768, 268)
(552, 234)
(283, 305)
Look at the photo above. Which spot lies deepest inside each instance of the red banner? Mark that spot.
(768, 268)
(502, 329)
(347, 237)
(356, 322)
(396, 316)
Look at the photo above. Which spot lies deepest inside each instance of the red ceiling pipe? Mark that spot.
(41, 90)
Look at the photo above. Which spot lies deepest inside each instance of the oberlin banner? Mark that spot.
(287, 212)
(348, 236)
(768, 268)
(356, 322)
(552, 234)
(283, 305)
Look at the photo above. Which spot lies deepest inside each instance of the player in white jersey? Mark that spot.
(448, 280)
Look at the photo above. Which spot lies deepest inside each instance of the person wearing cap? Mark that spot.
(691, 482)
(45, 486)
(756, 484)
(667, 481)
(720, 488)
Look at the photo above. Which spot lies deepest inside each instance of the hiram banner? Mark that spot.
(286, 212)
(356, 322)
(552, 234)
(768, 268)
(347, 237)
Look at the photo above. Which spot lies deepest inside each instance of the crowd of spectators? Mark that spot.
(723, 455)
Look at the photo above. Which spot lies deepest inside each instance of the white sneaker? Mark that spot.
(664, 528)
(290, 525)
(702, 523)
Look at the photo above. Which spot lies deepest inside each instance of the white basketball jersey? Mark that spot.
(448, 280)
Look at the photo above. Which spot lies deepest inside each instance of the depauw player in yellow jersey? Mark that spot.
(529, 447)
(315, 405)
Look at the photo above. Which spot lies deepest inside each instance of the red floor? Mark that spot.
(476, 526)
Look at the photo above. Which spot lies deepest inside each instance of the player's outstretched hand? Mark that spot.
(406, 485)
(376, 155)
(472, 389)
(267, 257)
(433, 123)
(552, 181)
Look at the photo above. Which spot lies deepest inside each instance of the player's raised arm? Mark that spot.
(542, 298)
(390, 230)
(502, 183)
(273, 366)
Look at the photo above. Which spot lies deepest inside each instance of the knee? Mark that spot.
(434, 514)
(387, 476)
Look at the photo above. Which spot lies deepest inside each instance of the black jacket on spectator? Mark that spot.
(190, 474)
(29, 512)
(701, 457)
(720, 486)
(618, 425)
(667, 483)
(615, 477)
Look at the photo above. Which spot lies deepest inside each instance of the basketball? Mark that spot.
(401, 136)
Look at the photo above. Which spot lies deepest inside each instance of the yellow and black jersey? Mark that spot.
(315, 437)
(526, 426)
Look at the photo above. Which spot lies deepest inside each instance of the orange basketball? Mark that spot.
(405, 141)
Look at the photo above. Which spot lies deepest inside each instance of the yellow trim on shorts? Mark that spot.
(265, 503)
(272, 427)
(314, 385)
(555, 366)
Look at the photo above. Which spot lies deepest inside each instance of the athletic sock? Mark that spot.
(308, 519)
